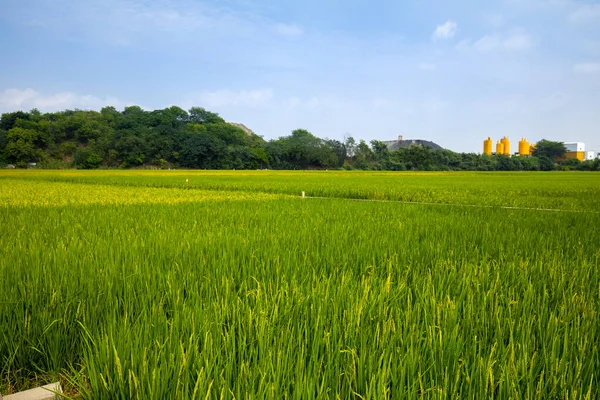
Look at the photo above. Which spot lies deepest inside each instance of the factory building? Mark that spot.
(574, 149)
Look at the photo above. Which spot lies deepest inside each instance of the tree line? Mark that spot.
(197, 138)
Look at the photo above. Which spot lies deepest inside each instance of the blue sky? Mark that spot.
(453, 72)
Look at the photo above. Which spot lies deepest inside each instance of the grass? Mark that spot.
(127, 285)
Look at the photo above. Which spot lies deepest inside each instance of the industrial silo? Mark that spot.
(499, 148)
(488, 146)
(524, 148)
(506, 144)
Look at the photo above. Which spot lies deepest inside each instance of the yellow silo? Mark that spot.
(524, 148)
(488, 145)
(506, 144)
(499, 148)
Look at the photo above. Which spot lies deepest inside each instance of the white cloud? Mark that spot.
(16, 99)
(587, 68)
(134, 16)
(445, 31)
(127, 22)
(289, 30)
(586, 13)
(226, 97)
(514, 41)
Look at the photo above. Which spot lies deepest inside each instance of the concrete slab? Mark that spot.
(45, 392)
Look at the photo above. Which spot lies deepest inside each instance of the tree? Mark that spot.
(86, 159)
(229, 134)
(546, 164)
(199, 115)
(3, 141)
(549, 149)
(275, 151)
(589, 165)
(363, 155)
(131, 147)
(338, 149)
(530, 163)
(20, 146)
(380, 150)
(259, 157)
(569, 164)
(301, 148)
(202, 139)
(8, 120)
(447, 160)
(203, 150)
(417, 157)
(350, 145)
(505, 163)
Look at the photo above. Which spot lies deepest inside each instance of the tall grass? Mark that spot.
(241, 295)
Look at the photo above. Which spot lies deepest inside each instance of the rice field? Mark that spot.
(204, 284)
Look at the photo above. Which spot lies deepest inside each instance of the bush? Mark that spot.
(570, 164)
(86, 159)
(54, 164)
(546, 164)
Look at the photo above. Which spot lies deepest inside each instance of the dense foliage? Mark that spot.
(549, 149)
(134, 285)
(200, 139)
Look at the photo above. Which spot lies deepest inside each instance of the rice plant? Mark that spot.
(129, 286)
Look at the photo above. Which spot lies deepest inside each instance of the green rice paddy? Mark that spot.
(204, 284)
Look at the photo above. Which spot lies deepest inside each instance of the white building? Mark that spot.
(575, 146)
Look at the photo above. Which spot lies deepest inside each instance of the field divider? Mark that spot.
(425, 203)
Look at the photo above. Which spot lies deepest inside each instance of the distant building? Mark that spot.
(575, 146)
(576, 150)
(401, 143)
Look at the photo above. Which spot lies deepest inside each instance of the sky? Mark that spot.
(453, 72)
